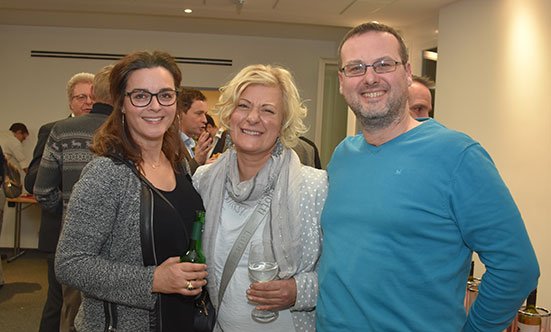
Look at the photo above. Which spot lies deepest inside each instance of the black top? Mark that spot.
(172, 232)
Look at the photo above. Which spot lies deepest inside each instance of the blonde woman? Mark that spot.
(263, 111)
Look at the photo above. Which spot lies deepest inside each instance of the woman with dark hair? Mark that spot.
(131, 213)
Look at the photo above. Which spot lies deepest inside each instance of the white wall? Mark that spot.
(494, 84)
(419, 38)
(32, 90)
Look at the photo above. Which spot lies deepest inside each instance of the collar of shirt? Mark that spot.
(219, 133)
(189, 142)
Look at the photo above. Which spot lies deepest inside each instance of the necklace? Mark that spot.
(155, 165)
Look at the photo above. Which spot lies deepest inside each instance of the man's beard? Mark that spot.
(373, 121)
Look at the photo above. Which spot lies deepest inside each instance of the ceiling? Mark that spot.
(326, 19)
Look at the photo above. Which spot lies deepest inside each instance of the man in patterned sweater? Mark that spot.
(65, 155)
(79, 94)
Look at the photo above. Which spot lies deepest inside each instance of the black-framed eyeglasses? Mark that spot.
(142, 98)
(380, 67)
(82, 97)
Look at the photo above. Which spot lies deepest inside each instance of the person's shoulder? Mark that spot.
(350, 143)
(106, 172)
(309, 171)
(313, 175)
(6, 137)
(200, 178)
(353, 140)
(59, 128)
(439, 134)
(47, 126)
(104, 165)
(201, 172)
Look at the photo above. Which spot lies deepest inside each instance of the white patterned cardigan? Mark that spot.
(313, 194)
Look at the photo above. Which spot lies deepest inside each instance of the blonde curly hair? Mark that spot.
(293, 106)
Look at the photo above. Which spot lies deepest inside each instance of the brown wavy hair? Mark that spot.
(113, 137)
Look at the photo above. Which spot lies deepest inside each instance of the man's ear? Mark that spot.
(340, 81)
(408, 71)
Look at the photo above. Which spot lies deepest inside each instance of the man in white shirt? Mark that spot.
(12, 144)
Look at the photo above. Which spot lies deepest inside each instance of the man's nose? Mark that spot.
(370, 76)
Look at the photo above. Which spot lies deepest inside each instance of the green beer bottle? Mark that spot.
(194, 254)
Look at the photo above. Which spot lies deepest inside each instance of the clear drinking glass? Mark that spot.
(262, 267)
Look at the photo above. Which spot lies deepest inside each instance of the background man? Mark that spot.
(218, 135)
(12, 143)
(192, 108)
(419, 97)
(50, 225)
(79, 91)
(408, 203)
(65, 155)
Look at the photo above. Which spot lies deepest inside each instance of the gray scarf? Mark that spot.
(281, 173)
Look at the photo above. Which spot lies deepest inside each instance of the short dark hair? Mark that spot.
(374, 26)
(210, 120)
(187, 96)
(425, 80)
(18, 126)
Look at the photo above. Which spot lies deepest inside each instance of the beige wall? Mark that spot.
(32, 90)
(494, 83)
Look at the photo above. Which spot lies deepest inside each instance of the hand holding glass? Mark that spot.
(262, 267)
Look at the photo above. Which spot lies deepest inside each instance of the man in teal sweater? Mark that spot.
(408, 203)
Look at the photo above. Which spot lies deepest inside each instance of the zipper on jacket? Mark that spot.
(160, 320)
(111, 328)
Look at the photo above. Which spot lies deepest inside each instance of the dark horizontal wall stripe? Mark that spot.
(74, 57)
(204, 63)
(109, 56)
(76, 53)
(203, 59)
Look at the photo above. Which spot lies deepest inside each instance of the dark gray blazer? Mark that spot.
(50, 223)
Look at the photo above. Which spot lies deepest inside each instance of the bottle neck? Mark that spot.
(531, 300)
(471, 274)
(200, 216)
(192, 244)
(196, 232)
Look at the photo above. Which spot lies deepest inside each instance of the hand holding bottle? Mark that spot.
(172, 276)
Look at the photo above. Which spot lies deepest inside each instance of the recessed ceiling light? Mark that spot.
(188, 11)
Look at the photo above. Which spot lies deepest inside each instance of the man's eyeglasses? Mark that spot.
(82, 97)
(142, 98)
(380, 67)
